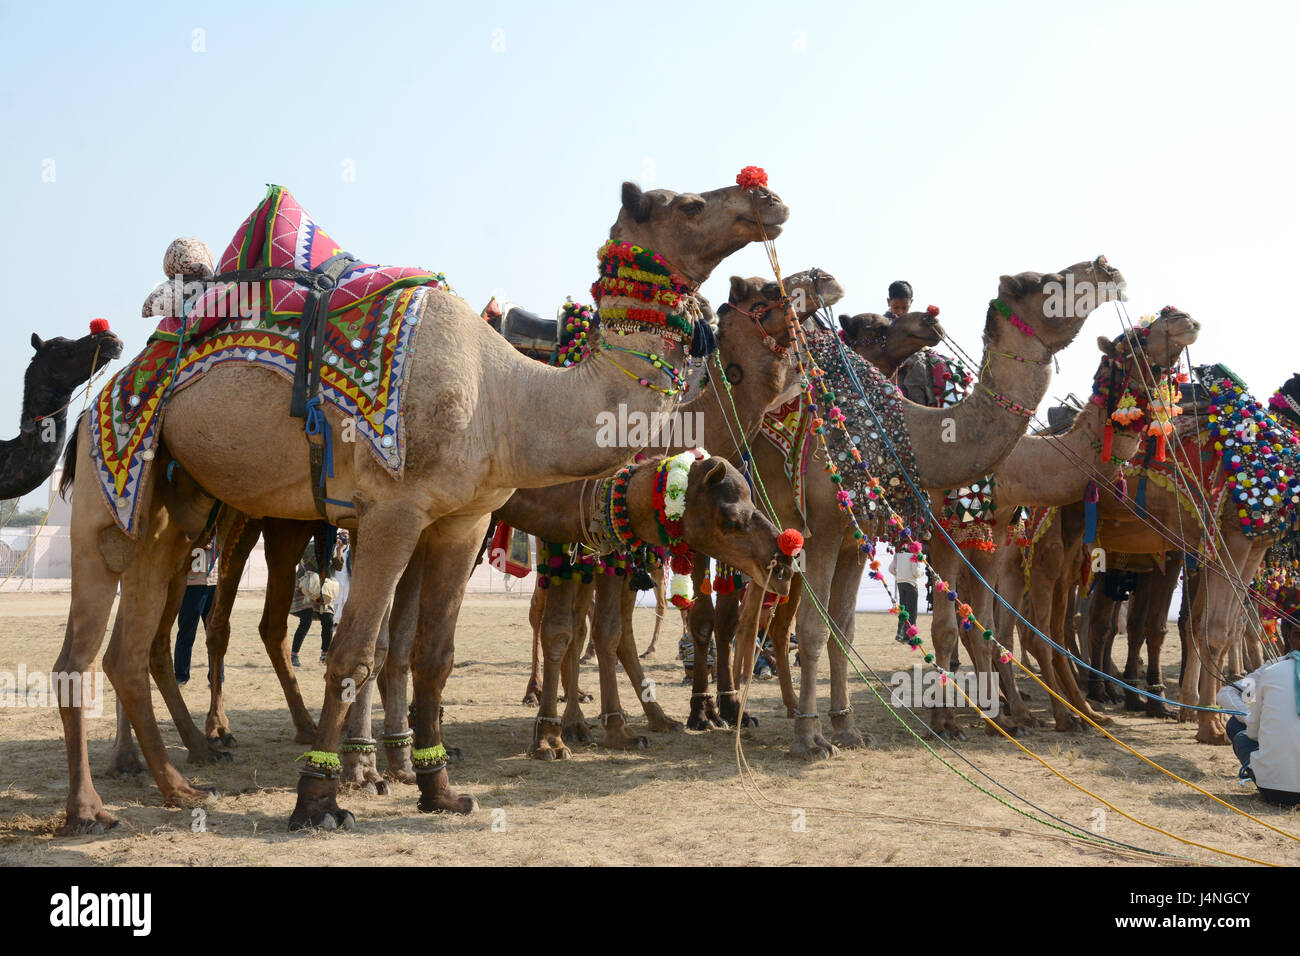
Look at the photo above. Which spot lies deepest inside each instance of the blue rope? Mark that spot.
(921, 497)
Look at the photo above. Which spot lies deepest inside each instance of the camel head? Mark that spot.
(721, 521)
(886, 344)
(1160, 344)
(696, 231)
(62, 364)
(1285, 403)
(1051, 306)
(758, 300)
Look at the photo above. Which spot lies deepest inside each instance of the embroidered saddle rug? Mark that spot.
(369, 336)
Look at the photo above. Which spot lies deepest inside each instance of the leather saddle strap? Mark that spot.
(311, 331)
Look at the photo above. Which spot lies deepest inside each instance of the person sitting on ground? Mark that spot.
(765, 661)
(686, 651)
(1268, 742)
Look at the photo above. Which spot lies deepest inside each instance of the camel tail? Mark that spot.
(70, 462)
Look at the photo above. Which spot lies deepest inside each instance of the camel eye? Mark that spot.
(692, 207)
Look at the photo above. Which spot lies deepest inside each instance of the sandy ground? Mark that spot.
(680, 802)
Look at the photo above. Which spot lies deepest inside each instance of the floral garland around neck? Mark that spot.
(576, 322)
(635, 275)
(669, 499)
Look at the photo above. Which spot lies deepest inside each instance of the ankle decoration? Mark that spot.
(812, 716)
(429, 759)
(841, 713)
(357, 745)
(394, 741)
(320, 763)
(605, 718)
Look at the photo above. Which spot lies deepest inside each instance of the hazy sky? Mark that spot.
(944, 143)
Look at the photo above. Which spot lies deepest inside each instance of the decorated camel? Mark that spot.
(56, 370)
(885, 345)
(1186, 503)
(1043, 471)
(938, 448)
(459, 453)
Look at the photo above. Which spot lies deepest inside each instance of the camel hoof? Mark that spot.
(212, 755)
(532, 700)
(701, 722)
(665, 725)
(126, 765)
(88, 825)
(1215, 738)
(849, 740)
(578, 733)
(748, 720)
(327, 820)
(227, 739)
(447, 802)
(650, 652)
(1161, 712)
(818, 749)
(376, 788)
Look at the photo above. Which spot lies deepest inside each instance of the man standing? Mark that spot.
(908, 574)
(200, 591)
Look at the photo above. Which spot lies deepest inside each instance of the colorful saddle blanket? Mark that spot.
(369, 336)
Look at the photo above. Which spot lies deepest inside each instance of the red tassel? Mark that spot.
(1160, 446)
(1107, 439)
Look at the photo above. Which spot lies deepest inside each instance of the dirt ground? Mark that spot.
(680, 802)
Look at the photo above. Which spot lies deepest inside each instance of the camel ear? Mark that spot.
(36, 342)
(636, 202)
(1107, 346)
(852, 325)
(739, 289)
(715, 472)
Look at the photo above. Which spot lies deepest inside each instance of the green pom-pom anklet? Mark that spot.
(320, 763)
(429, 759)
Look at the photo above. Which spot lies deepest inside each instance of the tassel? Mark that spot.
(1141, 501)
(1121, 487)
(1107, 439)
(1160, 446)
(703, 342)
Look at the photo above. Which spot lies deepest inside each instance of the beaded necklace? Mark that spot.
(628, 272)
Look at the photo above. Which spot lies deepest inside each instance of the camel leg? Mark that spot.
(447, 555)
(1216, 608)
(642, 686)
(358, 751)
(574, 724)
(842, 610)
(725, 617)
(394, 677)
(536, 610)
(661, 610)
(1154, 628)
(145, 588)
(236, 547)
(990, 673)
(556, 632)
(607, 634)
(944, 634)
(161, 666)
(808, 741)
(283, 542)
(388, 532)
(124, 759)
(704, 713)
(780, 631)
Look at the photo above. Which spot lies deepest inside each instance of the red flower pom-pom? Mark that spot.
(681, 564)
(932, 311)
(790, 542)
(751, 177)
(98, 325)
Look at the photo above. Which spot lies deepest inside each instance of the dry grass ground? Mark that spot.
(680, 802)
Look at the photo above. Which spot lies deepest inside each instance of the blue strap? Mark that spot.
(1140, 502)
(1090, 498)
(318, 425)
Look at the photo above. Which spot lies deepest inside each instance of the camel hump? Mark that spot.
(529, 332)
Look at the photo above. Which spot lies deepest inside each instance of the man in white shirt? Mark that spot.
(1268, 742)
(907, 575)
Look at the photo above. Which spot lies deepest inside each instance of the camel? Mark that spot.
(1214, 619)
(56, 370)
(467, 451)
(1020, 336)
(1044, 471)
(886, 345)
